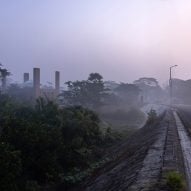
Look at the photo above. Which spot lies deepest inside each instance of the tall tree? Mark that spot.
(89, 93)
(151, 90)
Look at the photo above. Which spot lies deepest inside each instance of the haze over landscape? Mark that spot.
(95, 95)
(122, 40)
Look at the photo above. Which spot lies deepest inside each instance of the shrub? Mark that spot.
(38, 144)
(10, 167)
(175, 181)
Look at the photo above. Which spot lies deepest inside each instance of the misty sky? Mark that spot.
(121, 39)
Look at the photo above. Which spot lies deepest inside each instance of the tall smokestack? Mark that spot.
(26, 77)
(57, 83)
(36, 82)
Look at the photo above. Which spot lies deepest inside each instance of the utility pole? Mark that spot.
(170, 83)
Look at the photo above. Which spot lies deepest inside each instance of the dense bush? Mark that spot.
(10, 167)
(45, 144)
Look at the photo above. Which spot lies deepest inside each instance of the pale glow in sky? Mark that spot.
(121, 39)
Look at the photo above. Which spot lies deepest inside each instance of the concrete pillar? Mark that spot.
(57, 83)
(36, 82)
(26, 77)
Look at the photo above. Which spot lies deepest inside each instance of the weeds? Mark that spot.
(175, 181)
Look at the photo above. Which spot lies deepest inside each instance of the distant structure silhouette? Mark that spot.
(57, 83)
(43, 91)
(36, 82)
(26, 77)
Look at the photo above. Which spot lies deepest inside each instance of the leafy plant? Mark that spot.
(88, 93)
(10, 167)
(38, 144)
(175, 181)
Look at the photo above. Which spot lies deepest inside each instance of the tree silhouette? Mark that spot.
(88, 93)
(95, 77)
(3, 77)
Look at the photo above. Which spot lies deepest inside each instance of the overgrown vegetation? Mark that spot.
(88, 93)
(47, 145)
(94, 93)
(175, 181)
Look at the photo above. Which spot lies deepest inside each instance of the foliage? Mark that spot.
(95, 77)
(151, 90)
(147, 82)
(22, 95)
(88, 93)
(32, 186)
(94, 93)
(10, 167)
(128, 93)
(128, 88)
(175, 181)
(46, 144)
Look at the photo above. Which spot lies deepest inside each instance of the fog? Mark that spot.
(122, 40)
(98, 111)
